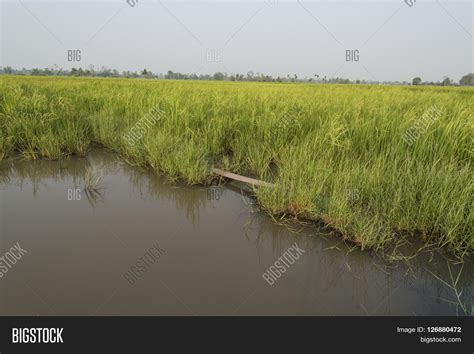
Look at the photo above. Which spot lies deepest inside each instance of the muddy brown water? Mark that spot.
(214, 245)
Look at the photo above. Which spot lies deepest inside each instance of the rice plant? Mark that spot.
(92, 179)
(316, 143)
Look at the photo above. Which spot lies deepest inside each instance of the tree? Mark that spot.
(218, 76)
(467, 79)
(416, 81)
(8, 70)
(446, 81)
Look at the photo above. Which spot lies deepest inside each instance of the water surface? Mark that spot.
(216, 247)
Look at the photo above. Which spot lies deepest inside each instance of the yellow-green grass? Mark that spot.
(341, 158)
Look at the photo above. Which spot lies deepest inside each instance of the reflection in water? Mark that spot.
(216, 252)
(94, 196)
(150, 186)
(39, 174)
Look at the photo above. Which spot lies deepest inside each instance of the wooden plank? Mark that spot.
(240, 178)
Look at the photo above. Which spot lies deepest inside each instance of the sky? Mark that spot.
(391, 40)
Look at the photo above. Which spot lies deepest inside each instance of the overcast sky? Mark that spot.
(431, 39)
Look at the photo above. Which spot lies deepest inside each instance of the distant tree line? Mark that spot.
(467, 79)
(170, 75)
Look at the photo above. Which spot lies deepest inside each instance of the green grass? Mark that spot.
(340, 159)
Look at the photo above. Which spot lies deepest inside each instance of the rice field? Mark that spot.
(379, 164)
